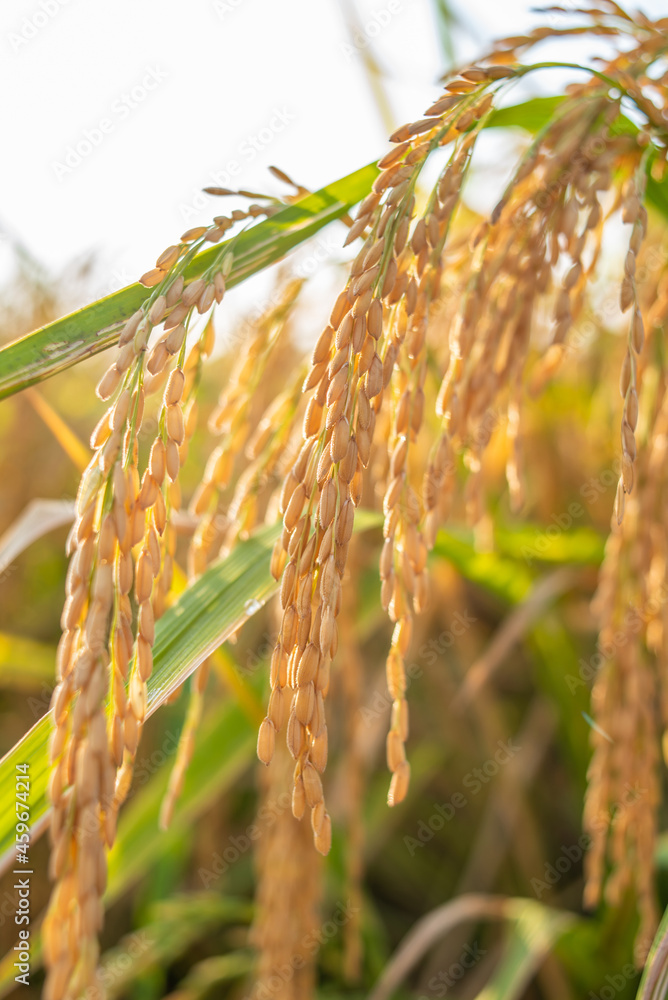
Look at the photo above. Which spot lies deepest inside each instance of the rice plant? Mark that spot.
(406, 420)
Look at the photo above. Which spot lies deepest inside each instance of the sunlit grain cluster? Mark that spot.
(442, 321)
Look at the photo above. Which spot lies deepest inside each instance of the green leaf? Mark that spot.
(530, 542)
(535, 114)
(556, 657)
(446, 20)
(95, 327)
(531, 936)
(213, 607)
(226, 595)
(532, 115)
(174, 926)
(224, 749)
(654, 982)
(212, 971)
(25, 664)
(505, 578)
(63, 343)
(205, 614)
(656, 194)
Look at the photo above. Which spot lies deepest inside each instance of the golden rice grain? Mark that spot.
(415, 300)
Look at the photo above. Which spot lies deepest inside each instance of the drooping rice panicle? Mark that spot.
(435, 307)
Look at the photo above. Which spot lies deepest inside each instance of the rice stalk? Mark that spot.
(122, 536)
(426, 357)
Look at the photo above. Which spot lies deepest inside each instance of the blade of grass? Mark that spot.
(95, 327)
(214, 606)
(171, 930)
(531, 115)
(224, 749)
(529, 542)
(36, 520)
(654, 982)
(92, 329)
(531, 936)
(199, 621)
(446, 21)
(226, 668)
(535, 927)
(535, 114)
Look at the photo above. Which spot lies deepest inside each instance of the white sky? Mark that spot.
(220, 82)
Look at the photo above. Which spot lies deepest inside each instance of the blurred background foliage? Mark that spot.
(499, 743)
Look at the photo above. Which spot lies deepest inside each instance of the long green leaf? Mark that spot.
(223, 750)
(532, 115)
(531, 543)
(226, 595)
(173, 928)
(529, 939)
(92, 329)
(535, 114)
(205, 614)
(506, 578)
(654, 982)
(213, 607)
(511, 581)
(95, 327)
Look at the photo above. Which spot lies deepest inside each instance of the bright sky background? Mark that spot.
(176, 94)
